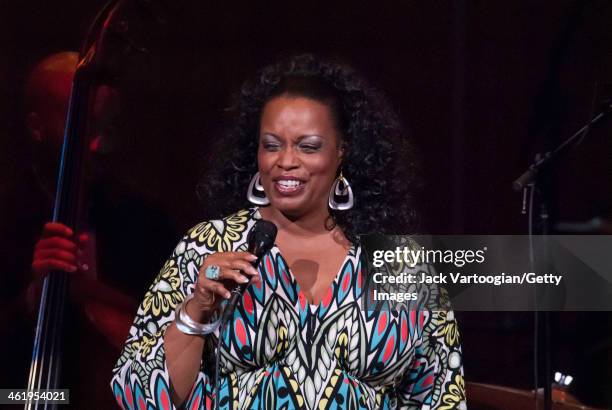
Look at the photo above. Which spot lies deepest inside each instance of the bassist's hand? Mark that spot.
(57, 249)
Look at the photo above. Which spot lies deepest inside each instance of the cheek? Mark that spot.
(264, 160)
(324, 168)
(265, 164)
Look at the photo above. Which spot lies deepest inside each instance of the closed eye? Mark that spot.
(270, 142)
(309, 148)
(271, 147)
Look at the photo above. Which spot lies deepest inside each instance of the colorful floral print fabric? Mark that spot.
(279, 352)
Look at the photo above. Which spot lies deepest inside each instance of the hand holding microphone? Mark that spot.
(226, 275)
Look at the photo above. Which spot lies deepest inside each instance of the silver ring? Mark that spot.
(212, 272)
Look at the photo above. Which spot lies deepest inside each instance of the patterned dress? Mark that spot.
(279, 352)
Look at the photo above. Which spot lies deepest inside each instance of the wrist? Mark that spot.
(189, 325)
(196, 313)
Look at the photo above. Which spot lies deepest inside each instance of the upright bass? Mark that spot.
(107, 42)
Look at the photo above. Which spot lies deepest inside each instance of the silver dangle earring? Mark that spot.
(341, 194)
(256, 194)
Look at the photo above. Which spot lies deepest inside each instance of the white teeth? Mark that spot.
(289, 183)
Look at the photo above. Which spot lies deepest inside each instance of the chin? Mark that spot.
(288, 206)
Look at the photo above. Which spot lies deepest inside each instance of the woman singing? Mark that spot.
(300, 337)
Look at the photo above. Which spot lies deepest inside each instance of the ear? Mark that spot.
(339, 159)
(35, 126)
(341, 150)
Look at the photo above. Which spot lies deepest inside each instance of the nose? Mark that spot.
(287, 159)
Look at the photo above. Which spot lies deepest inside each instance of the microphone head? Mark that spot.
(261, 238)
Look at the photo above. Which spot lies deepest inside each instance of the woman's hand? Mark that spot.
(235, 268)
(184, 352)
(57, 249)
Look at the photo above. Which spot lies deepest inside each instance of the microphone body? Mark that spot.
(260, 240)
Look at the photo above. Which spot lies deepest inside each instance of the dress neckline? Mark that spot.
(329, 286)
(311, 306)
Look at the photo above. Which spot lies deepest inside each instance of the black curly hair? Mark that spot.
(379, 161)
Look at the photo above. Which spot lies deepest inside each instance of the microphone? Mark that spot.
(260, 239)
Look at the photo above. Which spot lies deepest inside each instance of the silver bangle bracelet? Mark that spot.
(189, 326)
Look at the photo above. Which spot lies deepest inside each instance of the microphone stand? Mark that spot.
(528, 177)
(529, 183)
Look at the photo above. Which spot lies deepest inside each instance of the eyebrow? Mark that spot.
(301, 137)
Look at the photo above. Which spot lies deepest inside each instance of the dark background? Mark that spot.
(480, 85)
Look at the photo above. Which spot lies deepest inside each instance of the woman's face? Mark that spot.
(299, 154)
